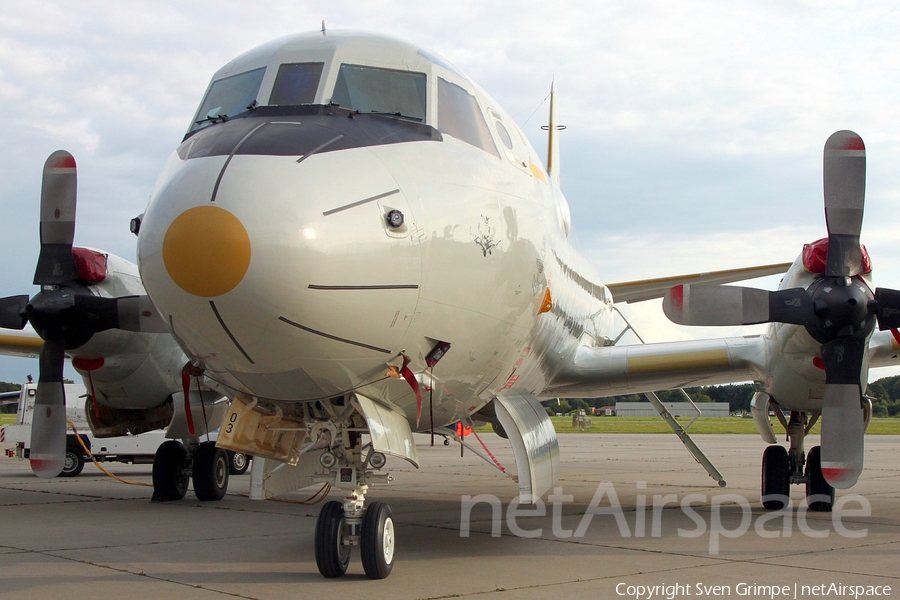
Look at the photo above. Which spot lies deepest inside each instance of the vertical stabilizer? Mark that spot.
(552, 145)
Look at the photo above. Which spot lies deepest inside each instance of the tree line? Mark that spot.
(7, 408)
(885, 394)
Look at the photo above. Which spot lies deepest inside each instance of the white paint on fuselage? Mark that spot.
(484, 238)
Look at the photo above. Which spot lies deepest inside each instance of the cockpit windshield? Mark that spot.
(296, 83)
(460, 116)
(382, 91)
(228, 97)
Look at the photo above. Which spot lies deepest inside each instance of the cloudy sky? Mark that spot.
(695, 128)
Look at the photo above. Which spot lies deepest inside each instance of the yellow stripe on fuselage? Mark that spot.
(20, 345)
(685, 361)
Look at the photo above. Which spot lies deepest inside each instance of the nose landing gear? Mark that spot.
(377, 543)
(342, 525)
(348, 523)
(332, 540)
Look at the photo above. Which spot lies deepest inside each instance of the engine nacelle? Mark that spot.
(134, 377)
(106, 421)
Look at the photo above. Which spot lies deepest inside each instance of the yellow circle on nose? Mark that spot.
(206, 251)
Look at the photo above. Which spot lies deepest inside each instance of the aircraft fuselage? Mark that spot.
(296, 250)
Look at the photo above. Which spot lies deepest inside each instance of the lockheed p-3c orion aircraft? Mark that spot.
(354, 242)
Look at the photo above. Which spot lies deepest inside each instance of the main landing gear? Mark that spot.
(174, 466)
(781, 468)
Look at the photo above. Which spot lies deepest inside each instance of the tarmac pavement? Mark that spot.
(599, 536)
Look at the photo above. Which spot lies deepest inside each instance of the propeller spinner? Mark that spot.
(838, 309)
(64, 313)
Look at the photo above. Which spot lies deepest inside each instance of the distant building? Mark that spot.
(604, 411)
(678, 409)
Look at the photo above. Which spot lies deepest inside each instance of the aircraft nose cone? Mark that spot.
(206, 251)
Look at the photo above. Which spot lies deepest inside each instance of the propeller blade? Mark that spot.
(843, 358)
(97, 313)
(888, 311)
(843, 418)
(844, 171)
(56, 264)
(843, 435)
(131, 313)
(11, 315)
(792, 305)
(48, 426)
(704, 304)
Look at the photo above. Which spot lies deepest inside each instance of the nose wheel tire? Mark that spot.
(776, 478)
(377, 541)
(332, 556)
(170, 476)
(211, 467)
(816, 484)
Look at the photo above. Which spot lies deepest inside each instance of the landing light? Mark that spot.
(328, 460)
(395, 219)
(377, 460)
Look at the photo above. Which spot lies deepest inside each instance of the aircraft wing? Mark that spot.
(884, 349)
(620, 370)
(648, 289)
(28, 346)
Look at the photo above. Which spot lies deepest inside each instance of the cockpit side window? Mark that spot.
(502, 133)
(383, 91)
(459, 116)
(296, 83)
(228, 97)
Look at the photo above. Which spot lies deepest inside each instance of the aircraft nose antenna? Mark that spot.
(206, 251)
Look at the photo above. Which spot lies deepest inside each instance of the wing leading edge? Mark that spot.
(648, 289)
(619, 370)
(28, 346)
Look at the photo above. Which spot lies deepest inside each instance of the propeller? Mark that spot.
(838, 309)
(65, 313)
